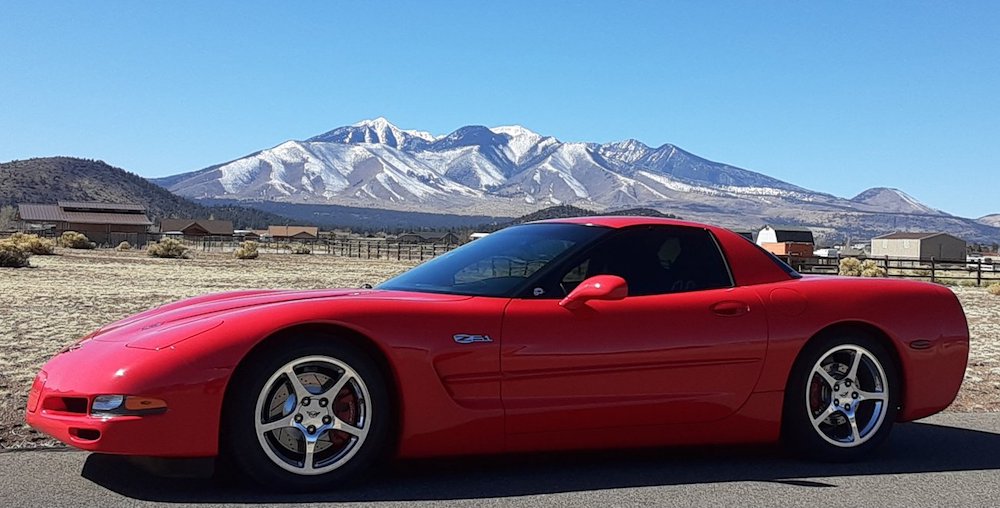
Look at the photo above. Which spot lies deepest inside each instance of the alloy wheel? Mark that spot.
(313, 415)
(847, 396)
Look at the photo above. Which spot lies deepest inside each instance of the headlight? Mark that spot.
(107, 403)
(118, 405)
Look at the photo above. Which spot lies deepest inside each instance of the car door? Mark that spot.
(685, 345)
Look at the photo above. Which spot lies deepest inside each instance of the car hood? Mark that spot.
(182, 313)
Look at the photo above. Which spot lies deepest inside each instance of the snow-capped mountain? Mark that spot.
(377, 131)
(509, 170)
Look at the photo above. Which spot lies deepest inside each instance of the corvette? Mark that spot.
(586, 333)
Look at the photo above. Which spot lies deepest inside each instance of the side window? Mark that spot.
(655, 260)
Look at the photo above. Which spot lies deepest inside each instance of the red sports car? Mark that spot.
(598, 332)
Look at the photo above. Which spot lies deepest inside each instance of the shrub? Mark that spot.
(301, 248)
(33, 244)
(853, 267)
(965, 283)
(124, 246)
(74, 240)
(850, 267)
(13, 255)
(994, 289)
(869, 268)
(247, 250)
(168, 248)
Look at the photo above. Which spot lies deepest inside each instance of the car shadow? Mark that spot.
(913, 448)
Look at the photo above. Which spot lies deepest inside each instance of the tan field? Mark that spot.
(63, 297)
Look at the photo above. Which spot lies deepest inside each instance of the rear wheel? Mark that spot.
(842, 398)
(307, 417)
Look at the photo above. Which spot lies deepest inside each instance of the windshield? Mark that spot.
(498, 264)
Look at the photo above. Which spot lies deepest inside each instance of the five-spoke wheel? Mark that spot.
(847, 395)
(313, 415)
(841, 398)
(307, 414)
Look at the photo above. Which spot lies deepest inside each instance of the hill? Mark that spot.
(990, 220)
(50, 179)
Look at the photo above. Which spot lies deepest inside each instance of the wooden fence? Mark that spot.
(351, 248)
(970, 273)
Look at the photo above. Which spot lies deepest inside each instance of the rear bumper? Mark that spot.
(934, 373)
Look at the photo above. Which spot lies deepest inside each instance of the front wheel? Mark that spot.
(842, 398)
(307, 417)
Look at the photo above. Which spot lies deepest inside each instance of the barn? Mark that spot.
(917, 245)
(104, 223)
(787, 240)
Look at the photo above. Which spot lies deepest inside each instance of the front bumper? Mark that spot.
(63, 392)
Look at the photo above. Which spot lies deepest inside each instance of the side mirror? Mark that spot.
(598, 287)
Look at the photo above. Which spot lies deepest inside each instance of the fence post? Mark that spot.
(979, 273)
(932, 269)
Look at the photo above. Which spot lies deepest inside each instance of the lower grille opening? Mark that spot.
(77, 405)
(85, 434)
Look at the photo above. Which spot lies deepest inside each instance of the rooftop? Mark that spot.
(92, 213)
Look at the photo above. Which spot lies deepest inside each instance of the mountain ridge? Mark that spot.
(512, 170)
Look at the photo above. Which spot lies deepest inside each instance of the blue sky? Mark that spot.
(833, 96)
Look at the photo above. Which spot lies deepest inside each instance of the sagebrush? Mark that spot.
(854, 267)
(13, 255)
(33, 244)
(124, 246)
(301, 248)
(74, 240)
(170, 248)
(247, 250)
(994, 289)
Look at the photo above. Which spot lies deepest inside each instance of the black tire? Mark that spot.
(829, 440)
(244, 450)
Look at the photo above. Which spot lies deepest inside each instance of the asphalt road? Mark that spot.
(947, 460)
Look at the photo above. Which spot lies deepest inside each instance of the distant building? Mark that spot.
(787, 240)
(292, 232)
(918, 245)
(200, 227)
(437, 237)
(247, 234)
(104, 223)
(782, 234)
(476, 236)
(826, 253)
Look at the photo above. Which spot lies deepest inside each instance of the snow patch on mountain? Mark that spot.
(894, 200)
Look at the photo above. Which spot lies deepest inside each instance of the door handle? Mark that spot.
(730, 308)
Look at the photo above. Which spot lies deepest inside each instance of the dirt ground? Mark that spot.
(63, 297)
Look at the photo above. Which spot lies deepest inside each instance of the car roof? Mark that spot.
(624, 221)
(748, 263)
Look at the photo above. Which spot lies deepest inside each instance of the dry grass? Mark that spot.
(41, 315)
(64, 297)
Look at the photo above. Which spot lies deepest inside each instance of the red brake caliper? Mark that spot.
(345, 407)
